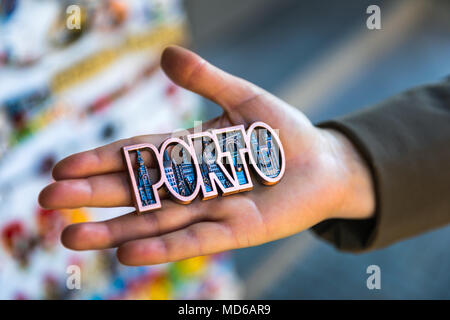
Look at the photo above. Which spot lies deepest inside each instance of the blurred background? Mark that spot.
(61, 92)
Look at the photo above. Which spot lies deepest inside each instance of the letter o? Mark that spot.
(196, 170)
(265, 179)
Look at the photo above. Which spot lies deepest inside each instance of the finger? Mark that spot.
(109, 190)
(195, 240)
(114, 232)
(108, 158)
(102, 160)
(193, 73)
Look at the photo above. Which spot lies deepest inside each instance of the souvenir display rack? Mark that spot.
(63, 91)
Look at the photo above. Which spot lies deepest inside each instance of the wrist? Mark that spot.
(357, 197)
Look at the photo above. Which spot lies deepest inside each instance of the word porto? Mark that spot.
(206, 162)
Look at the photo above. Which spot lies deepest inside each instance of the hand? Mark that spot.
(325, 178)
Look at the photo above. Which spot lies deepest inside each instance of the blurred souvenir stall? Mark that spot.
(64, 90)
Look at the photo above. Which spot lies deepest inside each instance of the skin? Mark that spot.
(325, 178)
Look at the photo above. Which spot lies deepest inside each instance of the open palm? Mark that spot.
(324, 178)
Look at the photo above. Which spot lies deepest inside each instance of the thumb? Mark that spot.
(193, 73)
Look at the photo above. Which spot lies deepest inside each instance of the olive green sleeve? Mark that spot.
(406, 143)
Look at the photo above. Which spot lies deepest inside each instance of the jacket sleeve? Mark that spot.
(406, 143)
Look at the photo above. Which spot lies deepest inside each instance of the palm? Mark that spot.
(97, 178)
